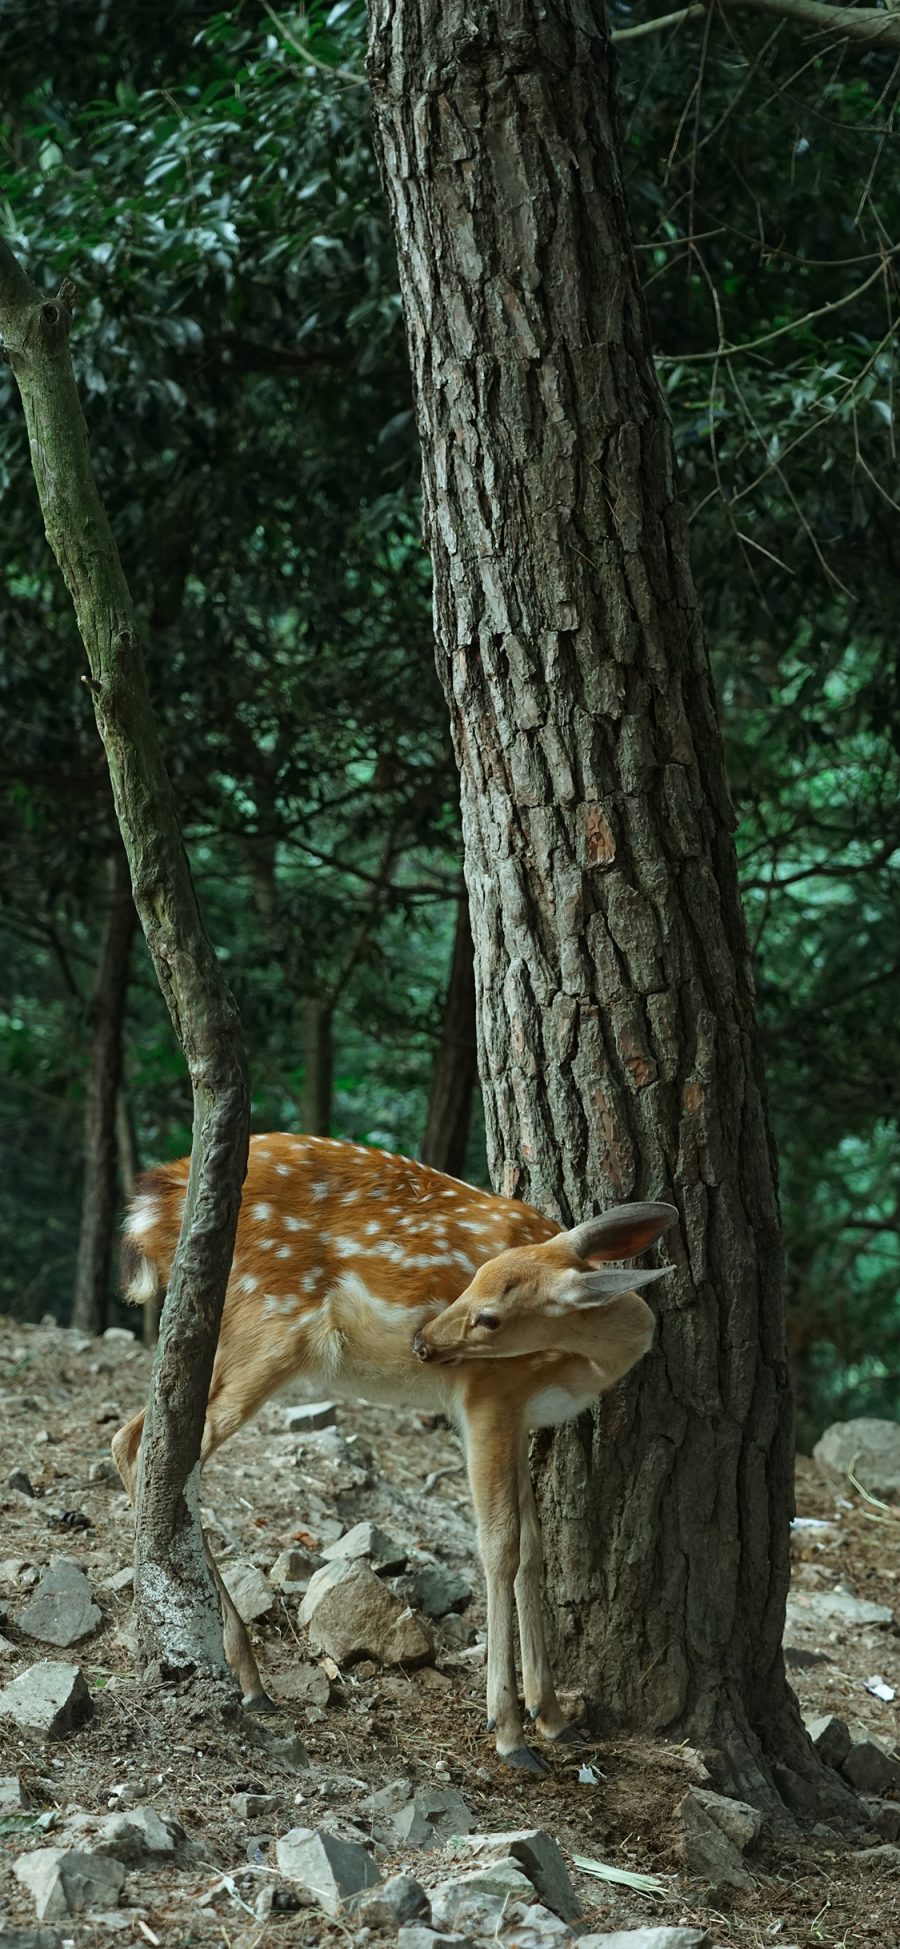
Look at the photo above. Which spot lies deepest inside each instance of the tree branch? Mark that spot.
(870, 25)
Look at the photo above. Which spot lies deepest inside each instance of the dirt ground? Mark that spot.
(62, 1397)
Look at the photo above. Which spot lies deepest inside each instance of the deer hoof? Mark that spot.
(570, 1736)
(260, 1702)
(525, 1760)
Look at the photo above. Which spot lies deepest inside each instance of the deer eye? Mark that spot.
(490, 1320)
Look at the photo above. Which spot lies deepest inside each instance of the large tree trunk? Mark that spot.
(101, 1151)
(455, 1073)
(177, 1612)
(618, 1049)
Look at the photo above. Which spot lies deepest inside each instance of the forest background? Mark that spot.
(208, 180)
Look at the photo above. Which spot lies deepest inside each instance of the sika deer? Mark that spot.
(347, 1273)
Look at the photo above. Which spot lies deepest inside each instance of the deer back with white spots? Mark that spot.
(370, 1276)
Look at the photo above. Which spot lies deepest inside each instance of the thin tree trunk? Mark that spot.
(317, 1019)
(618, 1049)
(455, 1073)
(100, 1189)
(177, 1612)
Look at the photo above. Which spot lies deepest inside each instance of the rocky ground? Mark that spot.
(167, 1817)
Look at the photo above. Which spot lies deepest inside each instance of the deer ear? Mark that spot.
(574, 1291)
(622, 1233)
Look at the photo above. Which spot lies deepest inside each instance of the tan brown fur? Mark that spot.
(366, 1274)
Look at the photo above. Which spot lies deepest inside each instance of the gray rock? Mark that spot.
(18, 1480)
(827, 1609)
(332, 1871)
(478, 1901)
(885, 1818)
(871, 1448)
(432, 1816)
(119, 1335)
(351, 1615)
(367, 1540)
(309, 1414)
(62, 1610)
(880, 1857)
(250, 1592)
(416, 1936)
(536, 1927)
(11, 1796)
(49, 1699)
(291, 1571)
(870, 1769)
(63, 1881)
(649, 1938)
(716, 1831)
(254, 1806)
(542, 1861)
(11, 1938)
(307, 1684)
(121, 1580)
(133, 1835)
(830, 1738)
(437, 1590)
(393, 1903)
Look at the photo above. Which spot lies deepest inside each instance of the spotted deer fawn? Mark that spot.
(368, 1276)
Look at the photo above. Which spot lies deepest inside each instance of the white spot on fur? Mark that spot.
(284, 1170)
(248, 1283)
(285, 1252)
(145, 1284)
(295, 1224)
(267, 1244)
(261, 1211)
(311, 1281)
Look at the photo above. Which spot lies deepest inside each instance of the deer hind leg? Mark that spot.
(238, 1650)
(491, 1446)
(541, 1702)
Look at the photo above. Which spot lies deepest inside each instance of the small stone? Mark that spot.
(122, 1334)
(49, 1699)
(250, 1592)
(398, 1900)
(367, 1540)
(432, 1816)
(306, 1684)
(254, 1806)
(884, 1816)
(62, 1610)
(828, 1609)
(309, 1414)
(869, 1447)
(437, 1590)
(880, 1857)
(103, 1471)
(351, 1615)
(416, 1936)
(716, 1831)
(535, 1927)
(64, 1881)
(12, 1798)
(830, 1738)
(329, 1869)
(121, 1580)
(12, 1938)
(869, 1769)
(478, 1900)
(133, 1836)
(19, 1481)
(650, 1938)
(291, 1571)
(11, 1569)
(542, 1861)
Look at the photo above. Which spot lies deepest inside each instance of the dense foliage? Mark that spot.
(208, 181)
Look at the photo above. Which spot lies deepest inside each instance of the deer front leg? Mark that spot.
(492, 1441)
(541, 1702)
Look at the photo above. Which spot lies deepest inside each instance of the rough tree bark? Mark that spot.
(618, 1050)
(99, 1197)
(177, 1612)
(455, 1072)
